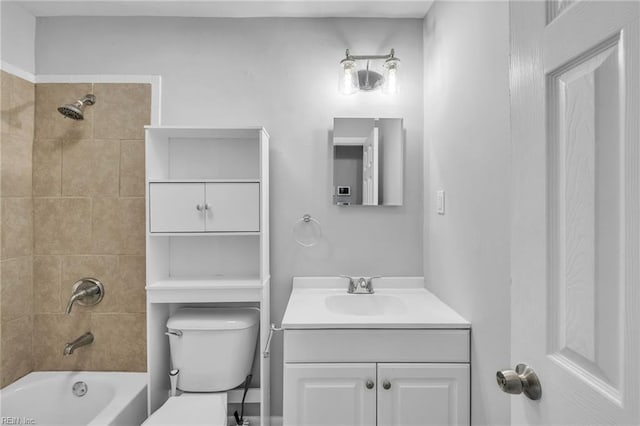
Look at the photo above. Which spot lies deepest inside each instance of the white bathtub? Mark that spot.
(46, 398)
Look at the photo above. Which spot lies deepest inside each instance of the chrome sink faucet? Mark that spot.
(83, 340)
(362, 285)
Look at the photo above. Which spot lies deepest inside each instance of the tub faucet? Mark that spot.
(83, 340)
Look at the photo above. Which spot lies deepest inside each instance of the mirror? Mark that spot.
(368, 158)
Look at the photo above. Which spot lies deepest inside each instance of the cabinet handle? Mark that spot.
(207, 206)
(370, 384)
(199, 207)
(386, 385)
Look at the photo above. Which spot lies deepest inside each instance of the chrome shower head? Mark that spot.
(75, 110)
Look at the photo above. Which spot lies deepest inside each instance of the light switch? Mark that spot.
(440, 202)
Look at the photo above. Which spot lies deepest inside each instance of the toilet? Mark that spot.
(212, 350)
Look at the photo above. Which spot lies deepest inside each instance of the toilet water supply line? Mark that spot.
(273, 329)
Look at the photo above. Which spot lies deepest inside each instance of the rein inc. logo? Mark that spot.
(11, 420)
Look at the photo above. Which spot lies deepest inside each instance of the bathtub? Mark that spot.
(46, 398)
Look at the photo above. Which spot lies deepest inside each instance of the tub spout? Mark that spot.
(83, 340)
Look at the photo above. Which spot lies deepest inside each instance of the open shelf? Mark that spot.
(205, 289)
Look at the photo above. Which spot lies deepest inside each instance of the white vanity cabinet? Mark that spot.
(374, 393)
(204, 207)
(207, 241)
(396, 394)
(397, 357)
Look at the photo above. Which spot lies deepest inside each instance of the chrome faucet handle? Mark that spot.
(87, 292)
(352, 284)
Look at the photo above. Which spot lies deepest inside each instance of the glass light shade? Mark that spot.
(348, 78)
(391, 85)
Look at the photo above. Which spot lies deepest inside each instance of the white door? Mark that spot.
(233, 207)
(575, 224)
(329, 394)
(370, 169)
(176, 207)
(423, 395)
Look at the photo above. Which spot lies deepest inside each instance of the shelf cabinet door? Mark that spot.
(329, 394)
(233, 207)
(423, 395)
(173, 207)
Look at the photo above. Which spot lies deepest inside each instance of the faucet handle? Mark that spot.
(352, 283)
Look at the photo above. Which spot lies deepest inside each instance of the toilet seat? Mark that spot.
(191, 409)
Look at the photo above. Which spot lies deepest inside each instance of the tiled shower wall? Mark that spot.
(72, 207)
(88, 189)
(16, 227)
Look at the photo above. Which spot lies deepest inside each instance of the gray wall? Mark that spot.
(18, 37)
(467, 153)
(282, 74)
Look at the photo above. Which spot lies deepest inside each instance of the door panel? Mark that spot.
(329, 394)
(423, 395)
(233, 207)
(173, 207)
(575, 236)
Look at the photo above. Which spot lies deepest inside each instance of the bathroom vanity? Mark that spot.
(397, 357)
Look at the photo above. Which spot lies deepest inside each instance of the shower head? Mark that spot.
(75, 110)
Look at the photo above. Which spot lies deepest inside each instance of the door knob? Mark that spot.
(370, 384)
(521, 380)
(386, 385)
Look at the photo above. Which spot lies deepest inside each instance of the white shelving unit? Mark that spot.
(207, 219)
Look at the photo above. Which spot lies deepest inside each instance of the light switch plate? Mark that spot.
(440, 202)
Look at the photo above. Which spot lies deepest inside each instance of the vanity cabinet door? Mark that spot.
(329, 394)
(176, 207)
(423, 394)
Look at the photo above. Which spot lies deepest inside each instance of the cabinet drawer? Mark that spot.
(173, 207)
(380, 345)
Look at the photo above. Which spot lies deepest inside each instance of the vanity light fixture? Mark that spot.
(351, 79)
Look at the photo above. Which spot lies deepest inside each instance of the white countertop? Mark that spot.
(413, 306)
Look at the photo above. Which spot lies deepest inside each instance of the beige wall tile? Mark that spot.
(120, 343)
(17, 288)
(17, 227)
(104, 269)
(47, 272)
(15, 349)
(18, 103)
(122, 110)
(50, 123)
(132, 281)
(16, 165)
(132, 168)
(47, 167)
(62, 225)
(90, 167)
(118, 226)
(50, 334)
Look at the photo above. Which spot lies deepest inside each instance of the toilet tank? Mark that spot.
(213, 348)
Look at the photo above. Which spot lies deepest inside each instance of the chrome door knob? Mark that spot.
(521, 380)
(386, 385)
(370, 384)
(199, 207)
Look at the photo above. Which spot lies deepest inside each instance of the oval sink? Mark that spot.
(365, 304)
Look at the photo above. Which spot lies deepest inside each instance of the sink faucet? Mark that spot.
(362, 285)
(83, 340)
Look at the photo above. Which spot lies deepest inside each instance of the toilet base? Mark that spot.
(191, 409)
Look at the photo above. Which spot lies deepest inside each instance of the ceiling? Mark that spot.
(231, 8)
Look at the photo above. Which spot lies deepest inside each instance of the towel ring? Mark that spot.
(307, 231)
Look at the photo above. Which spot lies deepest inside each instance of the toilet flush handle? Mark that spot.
(173, 333)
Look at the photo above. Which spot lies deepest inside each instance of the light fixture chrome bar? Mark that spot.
(361, 57)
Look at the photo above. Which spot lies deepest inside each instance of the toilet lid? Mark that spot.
(192, 409)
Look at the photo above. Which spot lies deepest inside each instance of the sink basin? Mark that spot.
(365, 304)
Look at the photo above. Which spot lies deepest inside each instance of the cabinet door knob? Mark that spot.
(370, 384)
(199, 207)
(207, 206)
(386, 384)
